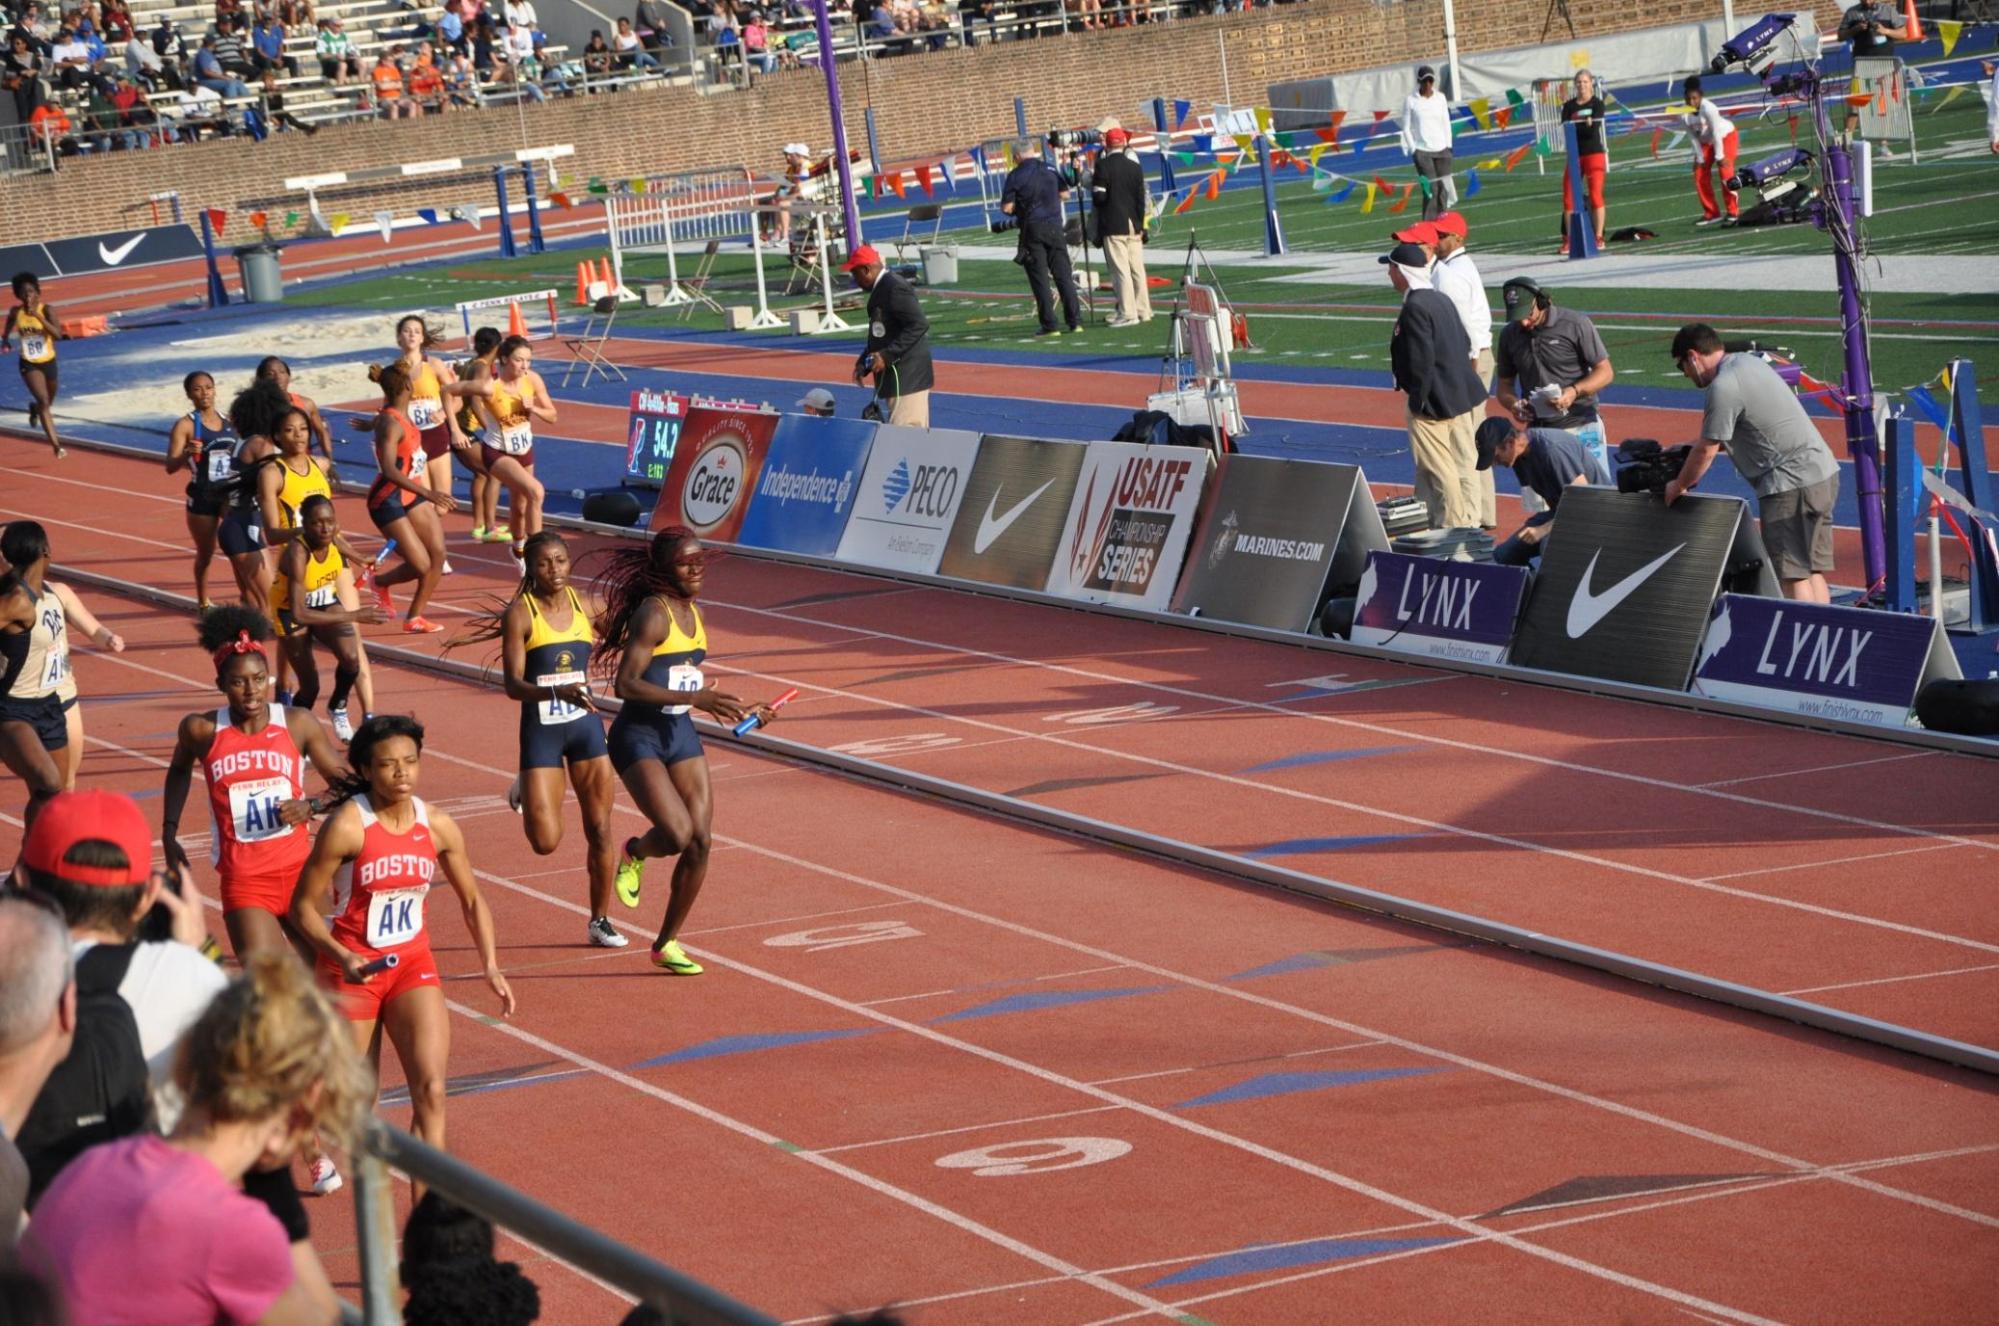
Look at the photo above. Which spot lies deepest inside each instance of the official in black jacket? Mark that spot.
(1431, 357)
(897, 355)
(1123, 208)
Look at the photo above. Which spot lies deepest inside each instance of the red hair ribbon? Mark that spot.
(242, 644)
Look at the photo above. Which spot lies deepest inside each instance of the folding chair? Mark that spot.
(588, 348)
(931, 214)
(696, 285)
(804, 253)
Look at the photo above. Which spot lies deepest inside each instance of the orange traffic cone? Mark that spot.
(608, 277)
(1912, 20)
(515, 325)
(583, 282)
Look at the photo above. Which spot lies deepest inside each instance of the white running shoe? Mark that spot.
(605, 935)
(447, 566)
(342, 727)
(325, 1178)
(514, 795)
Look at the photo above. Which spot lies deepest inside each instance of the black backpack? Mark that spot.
(101, 1091)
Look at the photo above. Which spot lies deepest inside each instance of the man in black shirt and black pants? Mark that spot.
(1033, 198)
(897, 354)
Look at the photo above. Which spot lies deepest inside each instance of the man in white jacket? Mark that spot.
(1426, 137)
(1991, 93)
(1456, 275)
(1714, 148)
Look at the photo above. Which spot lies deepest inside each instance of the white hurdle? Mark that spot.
(547, 298)
(657, 214)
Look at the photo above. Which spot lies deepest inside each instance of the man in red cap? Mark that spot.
(1422, 234)
(897, 355)
(1456, 276)
(1123, 211)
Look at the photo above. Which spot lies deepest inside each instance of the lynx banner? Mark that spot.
(908, 498)
(1848, 663)
(715, 466)
(805, 491)
(1275, 538)
(1625, 586)
(1127, 529)
(1010, 518)
(1438, 608)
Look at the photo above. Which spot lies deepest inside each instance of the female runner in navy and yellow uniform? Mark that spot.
(313, 598)
(254, 416)
(202, 443)
(38, 328)
(545, 641)
(652, 639)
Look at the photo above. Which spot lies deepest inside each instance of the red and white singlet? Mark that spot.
(249, 776)
(378, 896)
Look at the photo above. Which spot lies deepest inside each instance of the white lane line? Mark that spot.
(1893, 980)
(1436, 826)
(1822, 768)
(968, 1128)
(1836, 861)
(1379, 729)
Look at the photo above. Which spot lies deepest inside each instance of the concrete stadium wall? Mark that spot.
(930, 103)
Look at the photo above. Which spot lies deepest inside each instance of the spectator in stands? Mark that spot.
(116, 21)
(597, 56)
(228, 9)
(461, 82)
(209, 73)
(390, 98)
(267, 47)
(135, 116)
(296, 14)
(451, 26)
(426, 81)
(34, 25)
(630, 50)
(881, 22)
(1551, 363)
(1431, 358)
(338, 61)
(1714, 153)
(168, 44)
(488, 53)
(520, 14)
(274, 107)
(1426, 138)
(653, 24)
(51, 125)
(146, 66)
(71, 65)
(756, 43)
(37, 1025)
(451, 1274)
(1547, 462)
(158, 1229)
(1776, 449)
(229, 52)
(21, 72)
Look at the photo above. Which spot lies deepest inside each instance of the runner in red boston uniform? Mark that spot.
(252, 754)
(370, 870)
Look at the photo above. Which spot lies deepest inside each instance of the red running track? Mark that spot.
(1190, 1099)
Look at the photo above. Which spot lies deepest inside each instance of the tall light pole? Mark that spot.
(848, 208)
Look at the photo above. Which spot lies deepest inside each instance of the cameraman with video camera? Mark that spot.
(1776, 449)
(1547, 462)
(1032, 201)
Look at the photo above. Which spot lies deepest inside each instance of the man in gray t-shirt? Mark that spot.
(1776, 449)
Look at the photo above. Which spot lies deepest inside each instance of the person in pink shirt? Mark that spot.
(157, 1231)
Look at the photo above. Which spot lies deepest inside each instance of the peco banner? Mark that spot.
(1010, 519)
(1849, 663)
(908, 498)
(715, 467)
(805, 491)
(1127, 529)
(1438, 608)
(1276, 538)
(1625, 585)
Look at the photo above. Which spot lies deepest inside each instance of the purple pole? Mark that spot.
(840, 162)
(1857, 388)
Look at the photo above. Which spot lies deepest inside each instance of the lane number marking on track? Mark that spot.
(1039, 1156)
(915, 741)
(1140, 712)
(821, 938)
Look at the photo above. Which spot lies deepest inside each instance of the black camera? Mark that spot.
(1002, 223)
(1643, 466)
(1066, 138)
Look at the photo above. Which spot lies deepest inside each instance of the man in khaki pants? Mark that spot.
(1119, 197)
(1431, 357)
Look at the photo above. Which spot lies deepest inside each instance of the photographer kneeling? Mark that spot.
(1547, 461)
(1033, 199)
(1776, 449)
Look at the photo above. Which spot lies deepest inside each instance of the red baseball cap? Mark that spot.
(1450, 223)
(1116, 137)
(864, 256)
(1422, 232)
(74, 817)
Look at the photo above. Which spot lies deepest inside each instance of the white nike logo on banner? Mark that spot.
(991, 526)
(1588, 608)
(112, 257)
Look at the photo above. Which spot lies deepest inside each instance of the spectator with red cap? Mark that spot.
(897, 355)
(1456, 276)
(1123, 210)
(1422, 234)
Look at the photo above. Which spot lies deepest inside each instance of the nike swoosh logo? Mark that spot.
(991, 526)
(112, 257)
(1588, 607)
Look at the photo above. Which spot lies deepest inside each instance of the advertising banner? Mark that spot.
(1274, 537)
(806, 489)
(123, 248)
(908, 498)
(1848, 663)
(1437, 607)
(1127, 529)
(1625, 586)
(1011, 517)
(715, 467)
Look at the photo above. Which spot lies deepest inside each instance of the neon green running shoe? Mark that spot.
(670, 957)
(631, 874)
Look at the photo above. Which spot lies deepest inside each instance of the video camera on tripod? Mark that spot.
(1783, 201)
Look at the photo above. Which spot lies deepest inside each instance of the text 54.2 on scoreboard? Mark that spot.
(651, 433)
